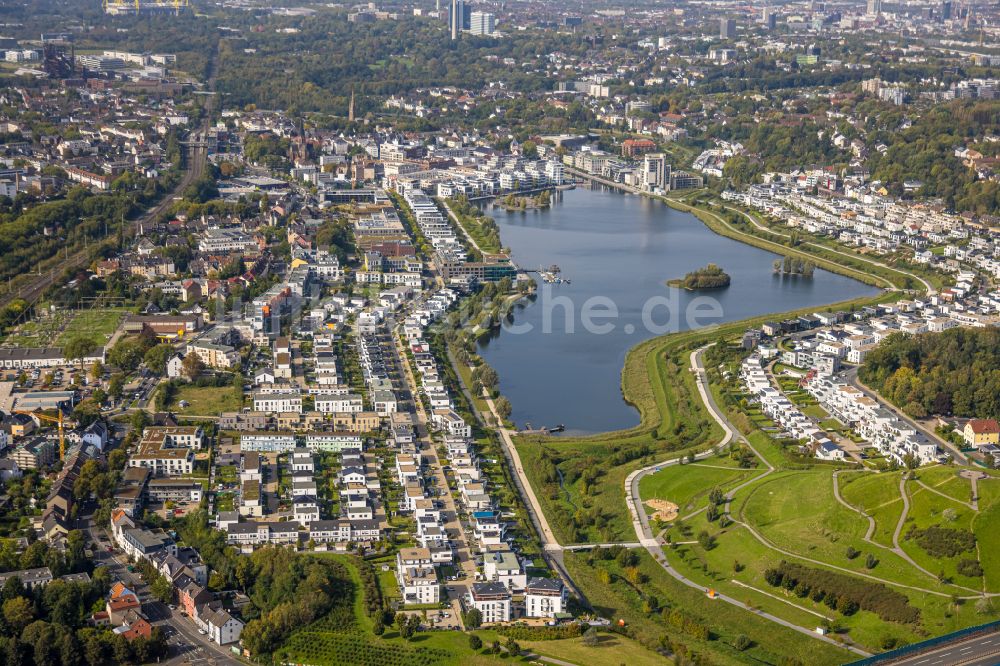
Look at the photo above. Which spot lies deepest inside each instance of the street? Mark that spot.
(187, 646)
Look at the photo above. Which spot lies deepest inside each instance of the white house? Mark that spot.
(544, 597)
(492, 600)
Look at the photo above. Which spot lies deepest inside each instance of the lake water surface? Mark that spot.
(618, 251)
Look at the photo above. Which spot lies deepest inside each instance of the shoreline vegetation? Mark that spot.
(709, 277)
(515, 202)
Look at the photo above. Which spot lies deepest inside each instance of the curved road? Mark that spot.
(641, 522)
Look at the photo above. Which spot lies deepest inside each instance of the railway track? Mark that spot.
(32, 289)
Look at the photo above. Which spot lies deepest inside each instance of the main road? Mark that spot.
(981, 650)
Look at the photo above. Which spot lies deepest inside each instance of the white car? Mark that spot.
(202, 632)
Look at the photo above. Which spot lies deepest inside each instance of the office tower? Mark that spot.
(727, 28)
(455, 17)
(769, 18)
(946, 10)
(875, 7)
(482, 23)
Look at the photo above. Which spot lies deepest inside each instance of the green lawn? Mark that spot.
(620, 600)
(796, 511)
(929, 509)
(876, 495)
(224, 502)
(945, 479)
(228, 474)
(206, 400)
(611, 649)
(688, 486)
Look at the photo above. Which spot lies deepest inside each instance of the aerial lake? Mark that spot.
(560, 362)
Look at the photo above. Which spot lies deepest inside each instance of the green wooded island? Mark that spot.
(709, 277)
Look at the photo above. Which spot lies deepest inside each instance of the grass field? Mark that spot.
(620, 600)
(95, 325)
(945, 479)
(878, 496)
(688, 486)
(206, 400)
(928, 509)
(611, 649)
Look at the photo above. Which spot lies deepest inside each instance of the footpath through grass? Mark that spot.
(579, 480)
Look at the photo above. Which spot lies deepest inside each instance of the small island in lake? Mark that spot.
(513, 202)
(709, 277)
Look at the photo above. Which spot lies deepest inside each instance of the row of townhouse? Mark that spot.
(433, 224)
(313, 421)
(879, 223)
(503, 571)
(782, 411)
(283, 441)
(892, 436)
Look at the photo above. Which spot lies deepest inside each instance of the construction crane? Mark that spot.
(51, 419)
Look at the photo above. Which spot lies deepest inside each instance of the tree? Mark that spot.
(96, 371)
(503, 407)
(18, 613)
(156, 358)
(742, 642)
(475, 642)
(512, 647)
(406, 626)
(162, 589)
(78, 348)
(590, 638)
(192, 366)
(116, 386)
(473, 619)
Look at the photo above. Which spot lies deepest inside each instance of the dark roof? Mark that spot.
(544, 585)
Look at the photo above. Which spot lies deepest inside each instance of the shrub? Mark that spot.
(526, 633)
(475, 642)
(970, 568)
(943, 541)
(852, 552)
(742, 642)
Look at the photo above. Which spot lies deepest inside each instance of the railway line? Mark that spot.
(32, 289)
